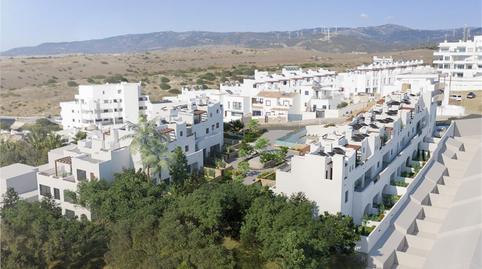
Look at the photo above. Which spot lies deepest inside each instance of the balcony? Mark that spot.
(63, 175)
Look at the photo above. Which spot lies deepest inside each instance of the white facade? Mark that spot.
(349, 167)
(372, 78)
(197, 128)
(22, 178)
(461, 62)
(104, 105)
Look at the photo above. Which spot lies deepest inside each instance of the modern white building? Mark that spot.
(461, 63)
(197, 128)
(372, 78)
(292, 94)
(22, 178)
(96, 106)
(350, 167)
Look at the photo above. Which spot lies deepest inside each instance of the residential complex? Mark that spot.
(197, 128)
(350, 167)
(372, 78)
(461, 63)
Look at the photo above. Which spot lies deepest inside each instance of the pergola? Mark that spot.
(64, 160)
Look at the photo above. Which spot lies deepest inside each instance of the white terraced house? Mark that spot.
(104, 105)
(196, 128)
(461, 62)
(349, 168)
(294, 94)
(372, 78)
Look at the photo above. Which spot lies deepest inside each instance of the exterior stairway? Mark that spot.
(455, 158)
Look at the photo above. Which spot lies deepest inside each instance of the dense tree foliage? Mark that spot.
(144, 225)
(36, 235)
(34, 149)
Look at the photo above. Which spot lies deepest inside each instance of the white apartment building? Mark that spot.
(104, 105)
(461, 63)
(350, 167)
(197, 128)
(293, 94)
(372, 78)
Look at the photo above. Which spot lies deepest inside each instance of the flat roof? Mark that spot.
(15, 169)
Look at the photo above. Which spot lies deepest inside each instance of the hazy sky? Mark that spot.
(31, 22)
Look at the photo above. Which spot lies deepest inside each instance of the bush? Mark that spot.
(174, 91)
(117, 78)
(342, 105)
(165, 86)
(72, 83)
(165, 80)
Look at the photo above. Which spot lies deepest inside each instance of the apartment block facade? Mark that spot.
(460, 63)
(350, 167)
(197, 128)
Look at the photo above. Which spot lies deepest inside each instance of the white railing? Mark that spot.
(366, 243)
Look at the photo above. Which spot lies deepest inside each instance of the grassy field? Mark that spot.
(33, 86)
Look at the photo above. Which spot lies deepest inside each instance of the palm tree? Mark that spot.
(36, 138)
(151, 146)
(53, 141)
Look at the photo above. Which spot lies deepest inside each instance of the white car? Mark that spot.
(456, 97)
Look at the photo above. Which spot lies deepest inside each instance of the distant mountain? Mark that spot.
(368, 39)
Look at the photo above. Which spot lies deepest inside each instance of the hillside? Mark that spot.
(35, 85)
(381, 38)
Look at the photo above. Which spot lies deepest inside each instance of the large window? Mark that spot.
(81, 175)
(56, 194)
(44, 190)
(70, 196)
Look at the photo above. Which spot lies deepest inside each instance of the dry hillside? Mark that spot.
(35, 85)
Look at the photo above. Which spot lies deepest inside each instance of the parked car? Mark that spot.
(456, 97)
(471, 95)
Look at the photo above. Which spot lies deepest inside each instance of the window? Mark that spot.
(81, 175)
(69, 196)
(237, 105)
(180, 133)
(119, 91)
(346, 196)
(92, 176)
(307, 92)
(268, 102)
(106, 101)
(44, 190)
(212, 127)
(69, 213)
(186, 148)
(217, 125)
(56, 194)
(256, 113)
(207, 130)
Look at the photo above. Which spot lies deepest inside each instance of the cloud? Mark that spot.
(364, 16)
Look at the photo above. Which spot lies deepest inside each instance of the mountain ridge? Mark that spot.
(387, 37)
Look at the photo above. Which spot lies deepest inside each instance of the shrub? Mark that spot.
(165, 80)
(174, 91)
(117, 78)
(72, 83)
(342, 105)
(165, 86)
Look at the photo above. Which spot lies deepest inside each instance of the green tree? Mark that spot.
(80, 136)
(151, 145)
(253, 126)
(10, 198)
(178, 167)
